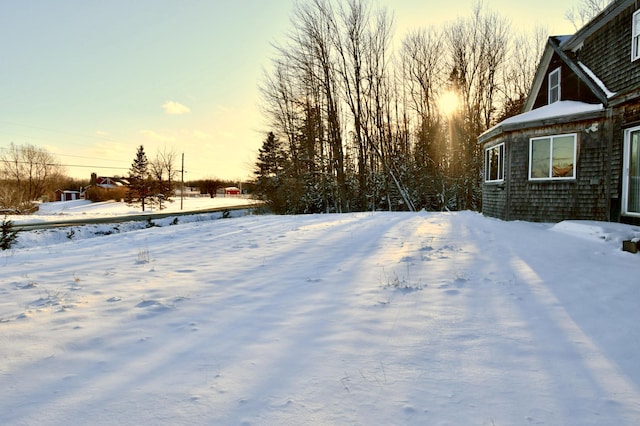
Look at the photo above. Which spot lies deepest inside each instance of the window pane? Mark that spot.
(501, 162)
(494, 164)
(634, 177)
(563, 149)
(540, 151)
(634, 166)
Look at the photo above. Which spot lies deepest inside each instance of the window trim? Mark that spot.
(635, 37)
(551, 139)
(625, 172)
(551, 88)
(487, 169)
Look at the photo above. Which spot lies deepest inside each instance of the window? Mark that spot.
(631, 173)
(635, 36)
(494, 164)
(553, 157)
(554, 86)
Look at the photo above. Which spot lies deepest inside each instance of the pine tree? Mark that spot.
(8, 235)
(139, 180)
(269, 174)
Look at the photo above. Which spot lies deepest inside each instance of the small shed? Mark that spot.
(231, 191)
(67, 195)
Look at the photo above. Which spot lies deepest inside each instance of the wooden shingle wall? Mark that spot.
(585, 197)
(608, 53)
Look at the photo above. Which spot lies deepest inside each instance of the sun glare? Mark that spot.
(449, 102)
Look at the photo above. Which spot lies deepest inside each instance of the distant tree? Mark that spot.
(27, 173)
(209, 185)
(163, 171)
(585, 11)
(140, 183)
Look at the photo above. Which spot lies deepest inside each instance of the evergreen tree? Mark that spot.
(139, 180)
(269, 174)
(8, 235)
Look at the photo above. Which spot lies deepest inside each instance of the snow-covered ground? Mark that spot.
(368, 318)
(62, 210)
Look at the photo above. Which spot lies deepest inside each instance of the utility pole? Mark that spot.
(182, 183)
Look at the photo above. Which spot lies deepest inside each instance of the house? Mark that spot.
(109, 182)
(574, 151)
(188, 191)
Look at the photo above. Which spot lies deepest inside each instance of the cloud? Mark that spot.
(101, 133)
(175, 108)
(157, 136)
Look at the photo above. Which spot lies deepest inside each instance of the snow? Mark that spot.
(72, 210)
(364, 318)
(608, 93)
(556, 109)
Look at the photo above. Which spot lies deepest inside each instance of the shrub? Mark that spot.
(97, 194)
(8, 236)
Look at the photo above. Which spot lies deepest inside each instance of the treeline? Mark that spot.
(358, 122)
(29, 173)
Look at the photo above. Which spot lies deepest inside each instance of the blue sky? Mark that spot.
(91, 80)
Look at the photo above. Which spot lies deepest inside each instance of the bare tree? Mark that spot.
(585, 11)
(314, 24)
(352, 46)
(522, 63)
(478, 49)
(28, 172)
(422, 59)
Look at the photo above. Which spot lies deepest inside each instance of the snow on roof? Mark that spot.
(554, 110)
(596, 80)
(563, 38)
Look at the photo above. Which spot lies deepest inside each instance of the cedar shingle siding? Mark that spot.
(604, 46)
(608, 53)
(518, 198)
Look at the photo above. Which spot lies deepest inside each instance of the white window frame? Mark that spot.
(556, 87)
(625, 172)
(550, 176)
(635, 36)
(487, 164)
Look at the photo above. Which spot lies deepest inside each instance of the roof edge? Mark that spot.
(596, 23)
(507, 126)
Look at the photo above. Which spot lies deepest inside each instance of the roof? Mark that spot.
(558, 112)
(564, 46)
(583, 73)
(611, 11)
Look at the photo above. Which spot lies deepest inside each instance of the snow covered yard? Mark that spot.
(369, 318)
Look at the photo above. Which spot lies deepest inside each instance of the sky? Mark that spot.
(91, 80)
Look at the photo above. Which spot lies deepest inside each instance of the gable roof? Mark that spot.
(564, 47)
(584, 74)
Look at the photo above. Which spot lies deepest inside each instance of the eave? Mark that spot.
(539, 119)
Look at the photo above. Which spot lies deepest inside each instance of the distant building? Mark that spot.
(67, 195)
(189, 192)
(110, 182)
(231, 191)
